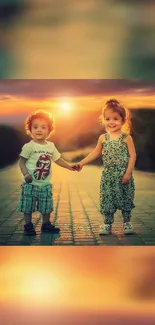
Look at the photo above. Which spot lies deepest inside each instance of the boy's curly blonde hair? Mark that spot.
(117, 107)
(39, 115)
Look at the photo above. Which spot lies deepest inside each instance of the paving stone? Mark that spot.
(76, 211)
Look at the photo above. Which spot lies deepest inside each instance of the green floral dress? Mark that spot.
(113, 194)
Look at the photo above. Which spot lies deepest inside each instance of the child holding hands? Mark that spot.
(35, 164)
(118, 154)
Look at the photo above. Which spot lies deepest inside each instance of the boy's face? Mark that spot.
(39, 130)
(112, 121)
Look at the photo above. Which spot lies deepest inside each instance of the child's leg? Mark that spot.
(107, 227)
(126, 216)
(45, 207)
(108, 218)
(47, 226)
(28, 227)
(27, 205)
(46, 217)
(27, 217)
(128, 229)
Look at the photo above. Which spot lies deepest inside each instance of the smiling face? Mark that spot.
(113, 121)
(39, 130)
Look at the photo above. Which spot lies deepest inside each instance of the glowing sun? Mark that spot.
(65, 106)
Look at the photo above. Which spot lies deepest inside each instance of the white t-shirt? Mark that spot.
(39, 158)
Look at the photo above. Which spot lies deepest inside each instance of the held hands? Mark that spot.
(72, 168)
(28, 178)
(76, 167)
(126, 178)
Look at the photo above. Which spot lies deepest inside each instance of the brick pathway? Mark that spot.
(76, 200)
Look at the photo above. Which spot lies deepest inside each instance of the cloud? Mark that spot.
(5, 98)
(41, 89)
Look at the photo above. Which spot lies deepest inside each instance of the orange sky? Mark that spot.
(18, 105)
(23, 96)
(81, 278)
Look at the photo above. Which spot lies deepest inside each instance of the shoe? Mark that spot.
(128, 229)
(105, 229)
(48, 227)
(29, 229)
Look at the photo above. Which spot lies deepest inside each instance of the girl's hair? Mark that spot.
(39, 115)
(117, 107)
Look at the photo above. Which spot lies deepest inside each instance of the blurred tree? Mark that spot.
(142, 285)
(143, 121)
(9, 11)
(10, 145)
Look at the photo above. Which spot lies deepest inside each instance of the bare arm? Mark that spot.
(132, 153)
(132, 159)
(94, 154)
(64, 164)
(22, 165)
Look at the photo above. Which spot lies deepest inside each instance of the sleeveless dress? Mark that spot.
(113, 194)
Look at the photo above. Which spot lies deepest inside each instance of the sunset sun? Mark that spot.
(65, 106)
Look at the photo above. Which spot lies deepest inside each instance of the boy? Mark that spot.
(35, 165)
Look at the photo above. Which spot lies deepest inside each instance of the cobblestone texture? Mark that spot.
(76, 210)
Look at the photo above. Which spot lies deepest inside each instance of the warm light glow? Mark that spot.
(67, 280)
(41, 286)
(20, 105)
(65, 106)
(38, 287)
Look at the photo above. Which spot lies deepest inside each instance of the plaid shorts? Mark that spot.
(36, 198)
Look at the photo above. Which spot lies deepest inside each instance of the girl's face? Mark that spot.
(39, 130)
(113, 121)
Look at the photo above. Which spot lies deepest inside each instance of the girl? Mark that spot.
(118, 154)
